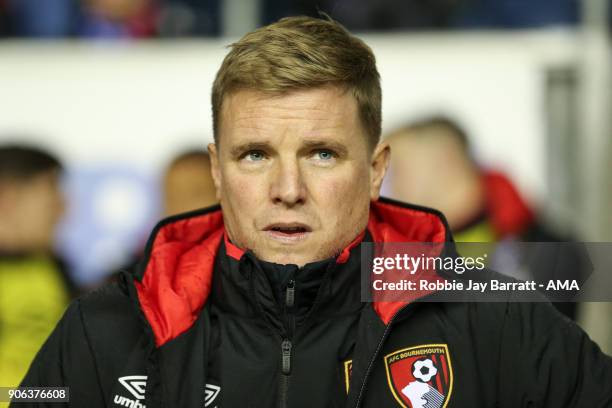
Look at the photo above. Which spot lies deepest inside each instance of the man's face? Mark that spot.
(188, 185)
(417, 177)
(32, 209)
(294, 173)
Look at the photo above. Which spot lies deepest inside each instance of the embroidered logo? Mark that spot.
(135, 385)
(210, 394)
(420, 376)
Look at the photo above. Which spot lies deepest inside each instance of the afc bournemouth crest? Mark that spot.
(420, 376)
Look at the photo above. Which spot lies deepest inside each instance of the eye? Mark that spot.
(324, 154)
(254, 155)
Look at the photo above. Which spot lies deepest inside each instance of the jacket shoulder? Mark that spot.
(111, 315)
(108, 298)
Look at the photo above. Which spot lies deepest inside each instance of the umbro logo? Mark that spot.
(135, 385)
(210, 394)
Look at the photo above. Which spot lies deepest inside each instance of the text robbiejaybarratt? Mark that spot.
(403, 272)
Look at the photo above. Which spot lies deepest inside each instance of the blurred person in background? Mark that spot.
(34, 286)
(186, 18)
(81, 18)
(110, 19)
(480, 205)
(188, 183)
(433, 166)
(383, 15)
(372, 15)
(41, 18)
(118, 19)
(513, 14)
(189, 18)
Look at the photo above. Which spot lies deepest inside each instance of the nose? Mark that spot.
(288, 186)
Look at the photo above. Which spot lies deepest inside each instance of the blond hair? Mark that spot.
(300, 53)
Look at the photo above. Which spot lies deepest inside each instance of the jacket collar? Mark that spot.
(174, 279)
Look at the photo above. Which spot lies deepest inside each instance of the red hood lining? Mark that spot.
(177, 278)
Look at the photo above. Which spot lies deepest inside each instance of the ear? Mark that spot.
(214, 168)
(378, 169)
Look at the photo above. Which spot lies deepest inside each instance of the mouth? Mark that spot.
(288, 232)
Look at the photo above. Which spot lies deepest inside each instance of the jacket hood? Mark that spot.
(173, 281)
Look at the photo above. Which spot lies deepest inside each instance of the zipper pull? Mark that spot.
(290, 294)
(286, 356)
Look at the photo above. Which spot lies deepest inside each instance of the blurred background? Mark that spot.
(105, 116)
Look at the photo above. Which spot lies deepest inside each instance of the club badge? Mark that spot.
(420, 376)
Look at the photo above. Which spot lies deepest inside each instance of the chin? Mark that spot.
(285, 258)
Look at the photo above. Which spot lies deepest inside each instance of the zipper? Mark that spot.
(286, 345)
(290, 294)
(376, 352)
(289, 311)
(286, 357)
(382, 340)
(285, 372)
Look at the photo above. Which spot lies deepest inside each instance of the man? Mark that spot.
(481, 205)
(257, 303)
(34, 288)
(187, 183)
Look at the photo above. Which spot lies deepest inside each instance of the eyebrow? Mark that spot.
(245, 147)
(325, 144)
(306, 145)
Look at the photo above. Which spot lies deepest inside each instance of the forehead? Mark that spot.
(432, 141)
(187, 170)
(323, 112)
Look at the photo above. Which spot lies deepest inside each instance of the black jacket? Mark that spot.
(171, 333)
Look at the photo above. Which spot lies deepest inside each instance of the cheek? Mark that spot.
(238, 190)
(36, 214)
(234, 186)
(240, 194)
(344, 192)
